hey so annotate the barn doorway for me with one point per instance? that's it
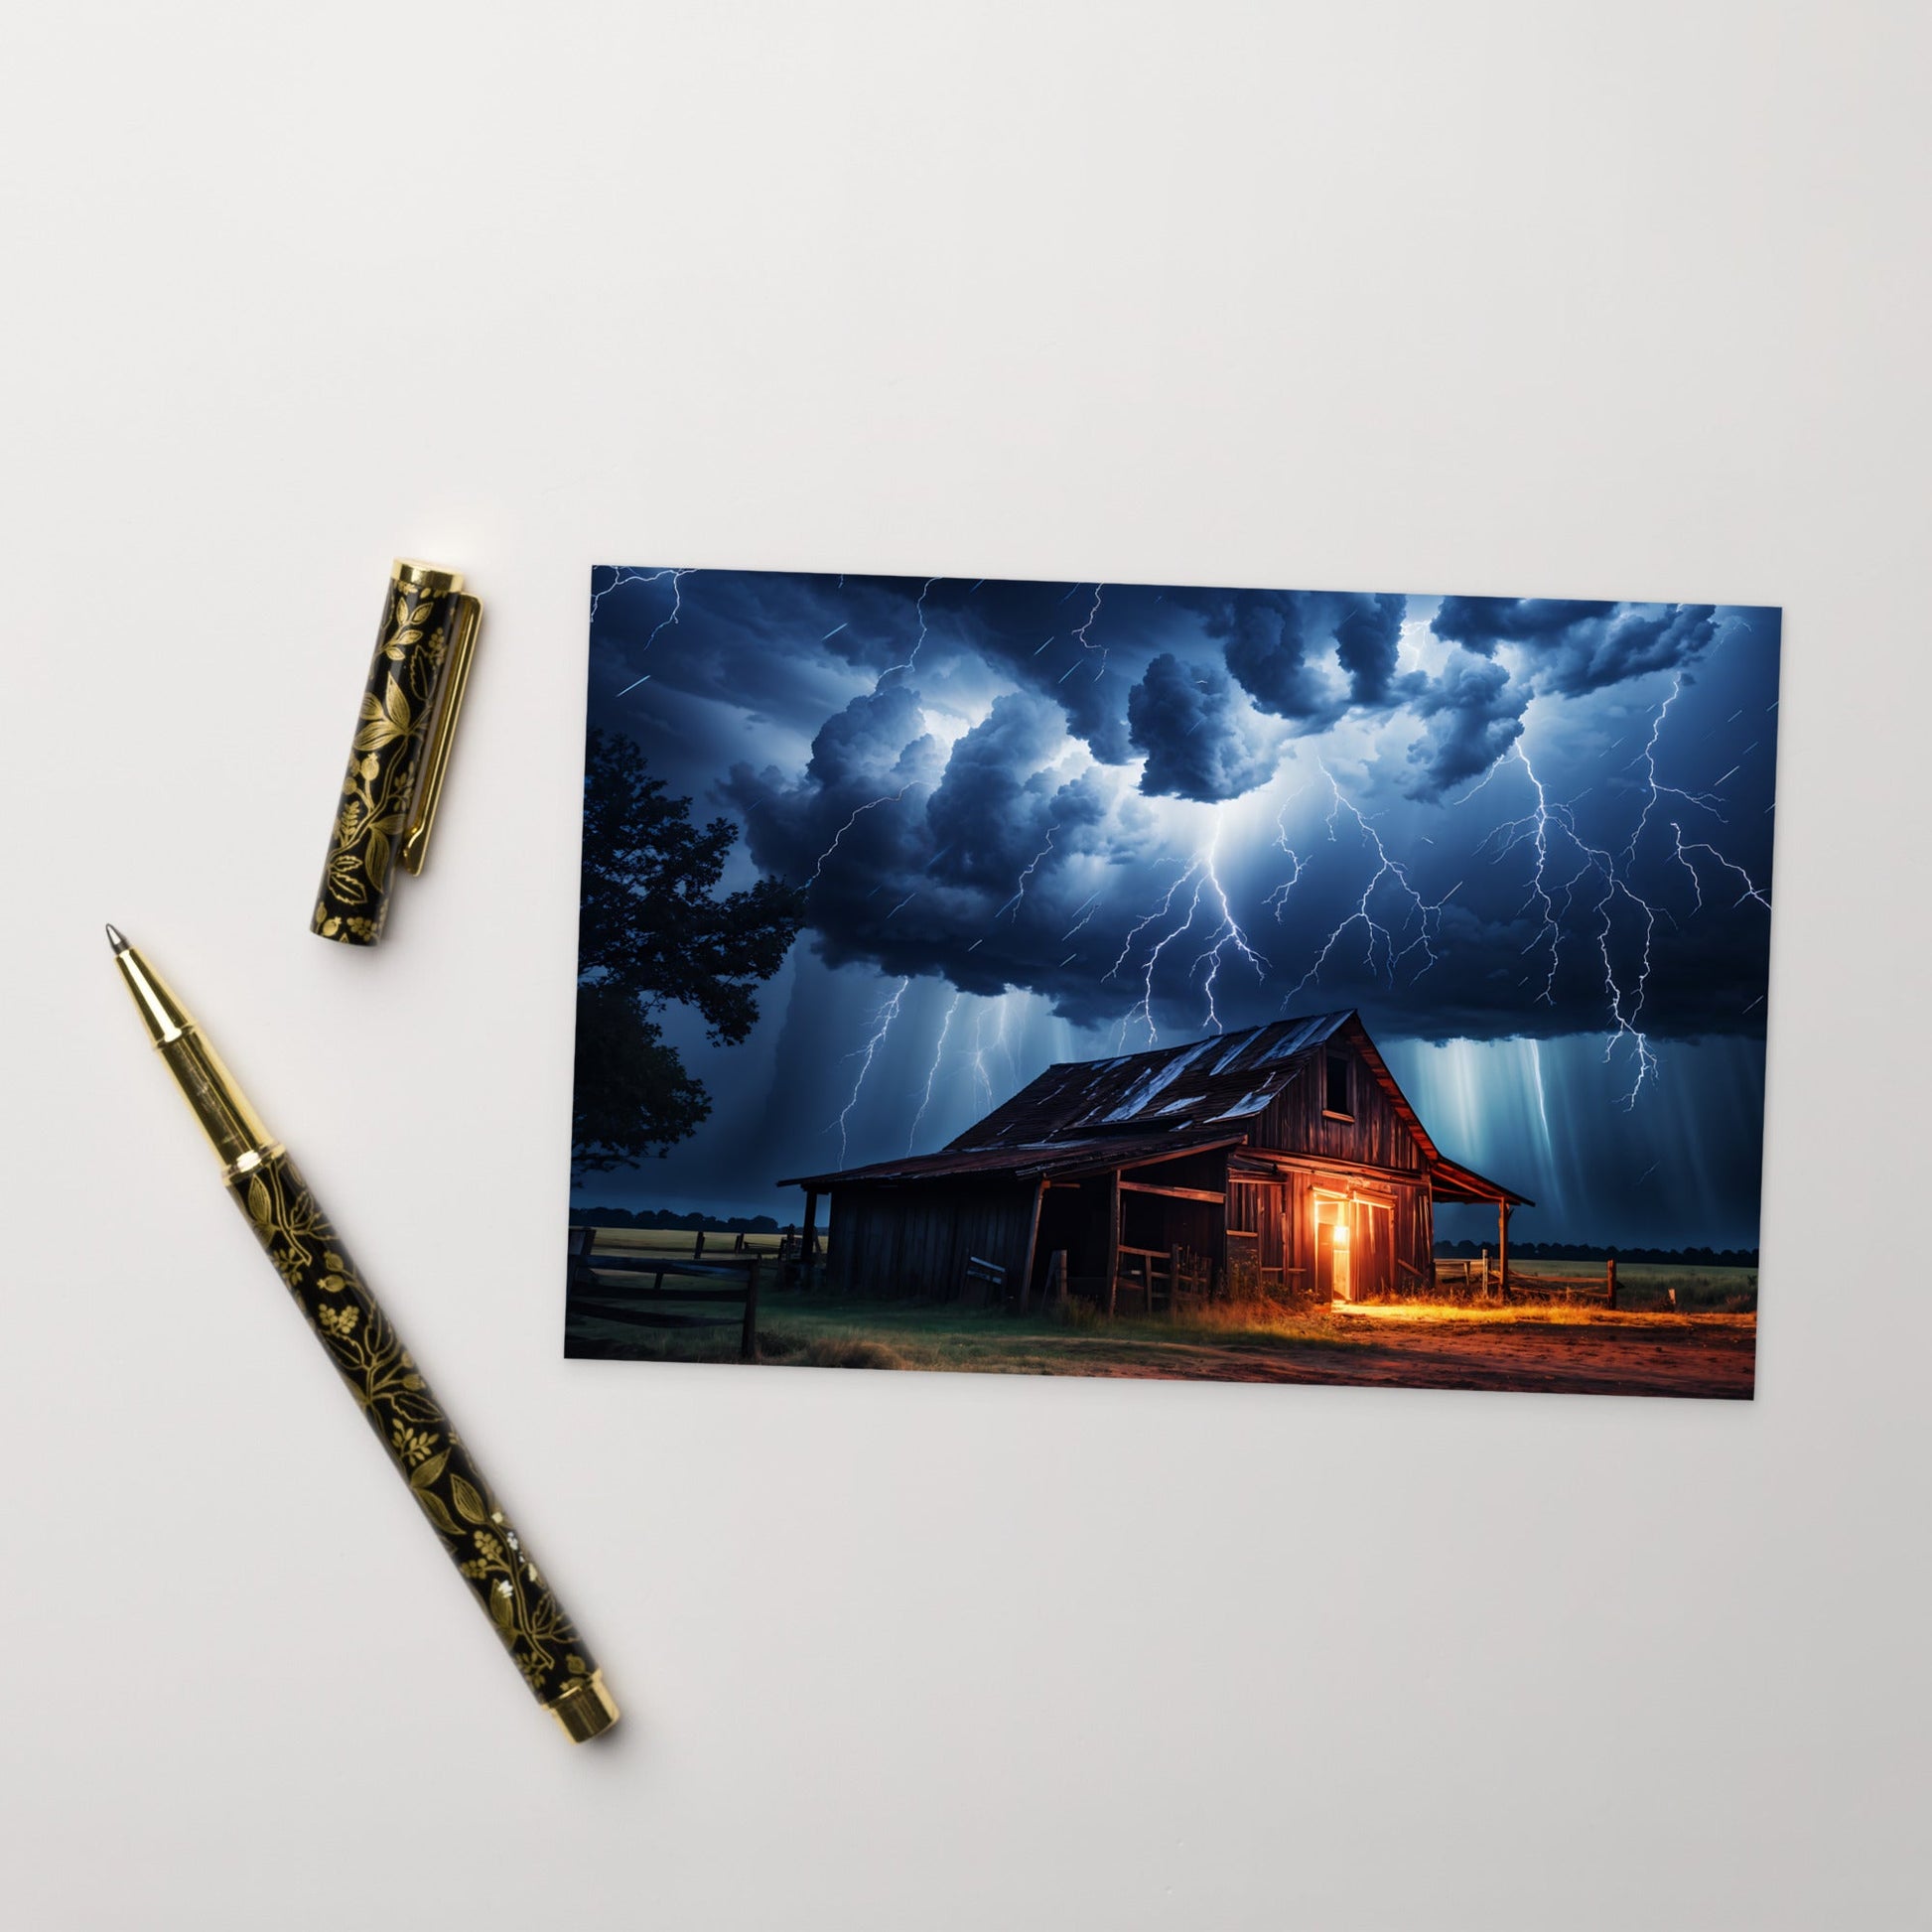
(1073, 1219)
(1334, 1242)
(1354, 1247)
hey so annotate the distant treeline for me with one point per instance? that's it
(663, 1217)
(1572, 1251)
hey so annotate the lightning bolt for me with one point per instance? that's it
(1081, 631)
(871, 804)
(912, 657)
(1227, 933)
(978, 1055)
(1655, 786)
(1134, 931)
(1082, 916)
(1427, 913)
(1607, 874)
(1655, 790)
(1277, 900)
(932, 1074)
(1599, 864)
(618, 579)
(1002, 1039)
(1685, 847)
(882, 1025)
(1013, 904)
(1626, 1024)
(1533, 828)
(1224, 933)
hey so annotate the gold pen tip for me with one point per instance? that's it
(116, 940)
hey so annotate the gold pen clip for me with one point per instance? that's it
(436, 761)
(399, 757)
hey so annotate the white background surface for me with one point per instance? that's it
(1596, 301)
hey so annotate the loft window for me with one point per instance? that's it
(1338, 1090)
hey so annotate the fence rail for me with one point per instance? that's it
(1485, 1276)
(600, 1285)
(1160, 1276)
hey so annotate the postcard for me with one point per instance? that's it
(1144, 980)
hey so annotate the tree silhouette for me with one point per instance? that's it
(652, 933)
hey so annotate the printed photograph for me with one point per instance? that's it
(1138, 980)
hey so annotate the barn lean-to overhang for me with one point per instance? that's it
(1035, 1161)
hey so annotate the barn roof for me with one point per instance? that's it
(1225, 1079)
(1088, 1116)
(1057, 1160)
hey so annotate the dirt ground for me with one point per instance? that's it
(1571, 1350)
(1594, 1354)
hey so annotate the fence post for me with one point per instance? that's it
(583, 1243)
(1113, 1242)
(1485, 1271)
(1610, 1275)
(697, 1247)
(748, 1347)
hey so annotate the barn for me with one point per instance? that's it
(1282, 1159)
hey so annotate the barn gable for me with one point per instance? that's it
(1269, 1084)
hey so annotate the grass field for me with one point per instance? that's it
(1640, 1284)
(1540, 1345)
(678, 1241)
(1647, 1284)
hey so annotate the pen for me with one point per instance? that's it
(380, 1373)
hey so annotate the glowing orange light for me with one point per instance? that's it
(1341, 1234)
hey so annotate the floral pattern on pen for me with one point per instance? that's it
(379, 785)
(410, 1424)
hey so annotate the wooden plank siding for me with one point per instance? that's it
(1391, 1221)
(910, 1243)
(1296, 1121)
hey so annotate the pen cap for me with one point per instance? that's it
(400, 754)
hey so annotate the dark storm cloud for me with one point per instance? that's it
(866, 758)
(1574, 647)
(1474, 706)
(918, 756)
(1306, 657)
(1278, 645)
(987, 815)
(868, 741)
(1200, 740)
(1474, 714)
(1367, 638)
(1268, 651)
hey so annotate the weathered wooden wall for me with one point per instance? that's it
(1276, 1203)
(1295, 1123)
(910, 1243)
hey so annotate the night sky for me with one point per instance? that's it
(1530, 840)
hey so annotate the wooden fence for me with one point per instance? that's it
(1589, 1285)
(1481, 1277)
(658, 1307)
(1161, 1278)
